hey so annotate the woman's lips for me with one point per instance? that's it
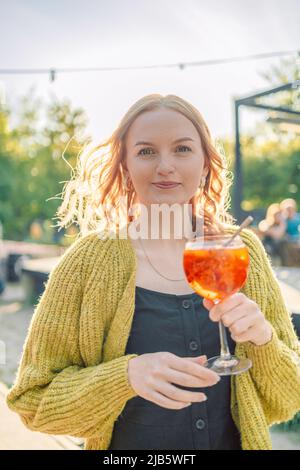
(166, 186)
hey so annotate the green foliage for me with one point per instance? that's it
(271, 155)
(271, 170)
(35, 162)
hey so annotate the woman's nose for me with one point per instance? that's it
(165, 165)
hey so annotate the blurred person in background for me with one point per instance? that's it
(273, 230)
(289, 210)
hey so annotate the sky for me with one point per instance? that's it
(115, 33)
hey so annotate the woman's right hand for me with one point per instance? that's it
(152, 375)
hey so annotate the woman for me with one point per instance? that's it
(273, 229)
(274, 225)
(115, 348)
(292, 217)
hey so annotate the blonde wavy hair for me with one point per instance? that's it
(93, 194)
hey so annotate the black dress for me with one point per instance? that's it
(179, 324)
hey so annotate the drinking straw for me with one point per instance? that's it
(244, 224)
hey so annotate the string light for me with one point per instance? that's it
(52, 72)
(52, 75)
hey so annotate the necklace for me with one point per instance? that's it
(154, 266)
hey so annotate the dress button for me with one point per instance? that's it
(200, 424)
(193, 345)
(186, 303)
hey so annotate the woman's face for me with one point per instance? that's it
(159, 158)
(278, 217)
(291, 211)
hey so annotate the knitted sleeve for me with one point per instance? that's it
(53, 391)
(276, 364)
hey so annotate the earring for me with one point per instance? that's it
(125, 185)
(202, 184)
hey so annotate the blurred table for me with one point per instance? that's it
(35, 273)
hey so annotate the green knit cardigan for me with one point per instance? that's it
(72, 375)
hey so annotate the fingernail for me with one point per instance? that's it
(205, 398)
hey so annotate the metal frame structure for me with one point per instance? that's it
(279, 114)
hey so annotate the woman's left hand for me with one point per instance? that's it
(243, 317)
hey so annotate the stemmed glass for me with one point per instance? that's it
(216, 267)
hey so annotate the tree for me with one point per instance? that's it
(35, 160)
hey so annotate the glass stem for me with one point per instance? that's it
(225, 353)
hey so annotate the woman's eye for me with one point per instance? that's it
(179, 147)
(184, 146)
(139, 153)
